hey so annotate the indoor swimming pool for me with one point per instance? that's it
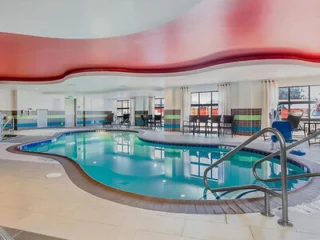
(122, 161)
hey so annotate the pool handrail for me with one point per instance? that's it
(284, 221)
(303, 175)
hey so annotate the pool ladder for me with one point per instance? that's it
(284, 221)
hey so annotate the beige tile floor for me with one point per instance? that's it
(56, 207)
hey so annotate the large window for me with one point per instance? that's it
(159, 106)
(304, 99)
(204, 103)
(123, 107)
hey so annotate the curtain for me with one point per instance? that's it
(133, 111)
(270, 101)
(224, 107)
(185, 105)
(151, 106)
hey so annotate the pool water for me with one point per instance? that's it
(121, 160)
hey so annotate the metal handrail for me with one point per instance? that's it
(303, 175)
(2, 133)
(283, 158)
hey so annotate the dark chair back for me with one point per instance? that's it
(228, 119)
(149, 117)
(126, 117)
(216, 119)
(203, 119)
(110, 118)
(157, 117)
(193, 118)
(294, 119)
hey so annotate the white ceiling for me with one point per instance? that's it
(125, 85)
(88, 18)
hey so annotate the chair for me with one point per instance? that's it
(228, 123)
(144, 121)
(109, 120)
(190, 125)
(158, 120)
(126, 120)
(150, 121)
(203, 119)
(294, 119)
(217, 120)
(285, 128)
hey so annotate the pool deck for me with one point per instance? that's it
(59, 207)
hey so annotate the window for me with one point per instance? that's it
(159, 106)
(123, 107)
(204, 103)
(304, 99)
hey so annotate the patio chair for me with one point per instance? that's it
(150, 121)
(126, 120)
(158, 120)
(216, 119)
(109, 120)
(227, 123)
(294, 119)
(190, 125)
(144, 121)
(205, 120)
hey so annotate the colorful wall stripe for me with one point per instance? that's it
(86, 118)
(56, 119)
(172, 120)
(247, 121)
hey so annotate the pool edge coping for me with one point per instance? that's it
(233, 206)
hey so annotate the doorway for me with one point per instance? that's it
(42, 118)
(70, 112)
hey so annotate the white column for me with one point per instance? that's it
(151, 106)
(185, 105)
(132, 110)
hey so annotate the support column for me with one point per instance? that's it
(172, 109)
(14, 104)
(246, 107)
(133, 111)
(141, 108)
(151, 106)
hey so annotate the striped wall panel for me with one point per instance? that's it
(247, 120)
(172, 120)
(85, 118)
(138, 120)
(28, 119)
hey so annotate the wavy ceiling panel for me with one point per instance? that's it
(213, 32)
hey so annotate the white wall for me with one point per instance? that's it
(36, 100)
(288, 82)
(6, 100)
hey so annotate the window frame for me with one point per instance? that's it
(199, 105)
(161, 105)
(123, 108)
(290, 102)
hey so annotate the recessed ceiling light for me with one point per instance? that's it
(182, 195)
(164, 181)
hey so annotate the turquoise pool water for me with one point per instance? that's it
(122, 161)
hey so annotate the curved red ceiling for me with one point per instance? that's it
(214, 32)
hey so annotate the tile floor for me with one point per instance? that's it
(56, 207)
